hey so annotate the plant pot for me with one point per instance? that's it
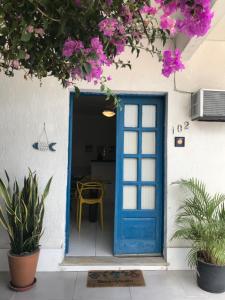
(210, 278)
(22, 269)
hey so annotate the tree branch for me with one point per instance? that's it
(47, 16)
(145, 30)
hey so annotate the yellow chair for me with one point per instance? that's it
(84, 190)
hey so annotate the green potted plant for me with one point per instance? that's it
(201, 220)
(23, 220)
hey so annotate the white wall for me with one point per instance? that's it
(25, 106)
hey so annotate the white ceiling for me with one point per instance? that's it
(218, 32)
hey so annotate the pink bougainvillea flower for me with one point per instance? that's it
(170, 8)
(96, 44)
(109, 2)
(119, 44)
(108, 26)
(40, 31)
(195, 17)
(76, 73)
(147, 9)
(72, 46)
(121, 29)
(197, 23)
(77, 2)
(30, 29)
(27, 56)
(168, 23)
(96, 70)
(15, 64)
(171, 62)
(126, 14)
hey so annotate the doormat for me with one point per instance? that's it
(115, 278)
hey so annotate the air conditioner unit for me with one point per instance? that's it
(208, 105)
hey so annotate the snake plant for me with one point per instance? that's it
(201, 220)
(23, 213)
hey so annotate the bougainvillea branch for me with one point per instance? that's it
(76, 40)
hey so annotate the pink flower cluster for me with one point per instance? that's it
(190, 17)
(72, 46)
(94, 59)
(166, 22)
(37, 31)
(171, 62)
(108, 26)
(149, 10)
(195, 20)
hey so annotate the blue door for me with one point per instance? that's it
(139, 176)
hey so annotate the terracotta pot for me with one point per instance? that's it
(23, 268)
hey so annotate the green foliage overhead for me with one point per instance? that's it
(23, 214)
(75, 40)
(201, 219)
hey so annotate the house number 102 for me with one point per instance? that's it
(180, 127)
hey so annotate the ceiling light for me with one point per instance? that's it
(108, 113)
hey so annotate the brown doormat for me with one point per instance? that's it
(115, 278)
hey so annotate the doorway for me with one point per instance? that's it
(133, 144)
(92, 160)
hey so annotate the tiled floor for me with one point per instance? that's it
(92, 241)
(160, 285)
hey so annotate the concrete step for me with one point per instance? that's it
(76, 263)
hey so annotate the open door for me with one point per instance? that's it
(139, 176)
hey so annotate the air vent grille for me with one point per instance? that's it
(208, 105)
(214, 103)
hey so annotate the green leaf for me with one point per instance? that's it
(4, 223)
(46, 190)
(87, 68)
(4, 194)
(77, 91)
(21, 54)
(25, 37)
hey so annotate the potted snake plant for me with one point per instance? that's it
(201, 220)
(23, 219)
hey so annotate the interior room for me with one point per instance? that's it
(93, 162)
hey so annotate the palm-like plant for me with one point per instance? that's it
(201, 219)
(24, 212)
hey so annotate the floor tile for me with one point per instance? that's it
(51, 286)
(5, 292)
(92, 241)
(83, 243)
(172, 285)
(84, 293)
(104, 238)
(189, 285)
(158, 284)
